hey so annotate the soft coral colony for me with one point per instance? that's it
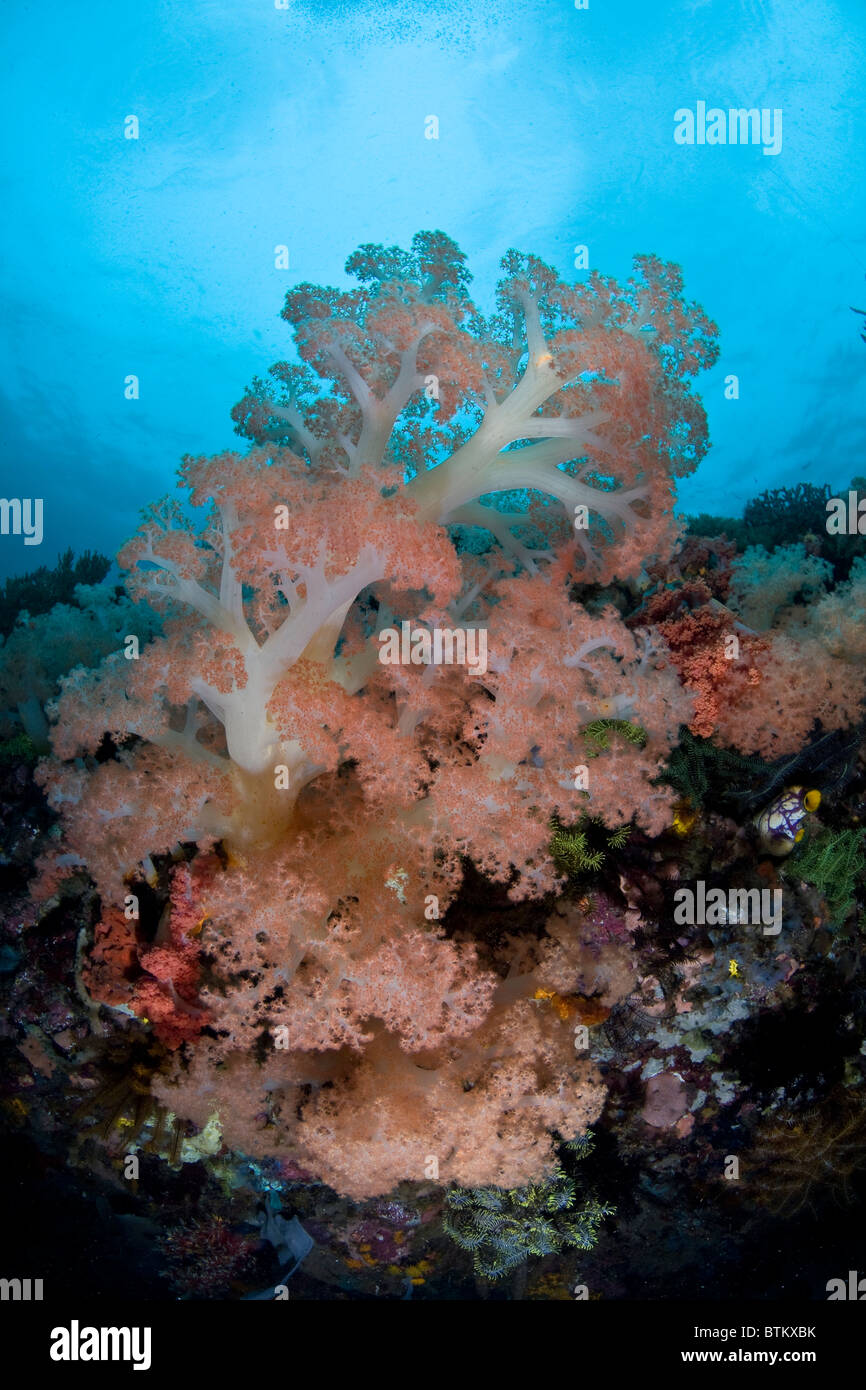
(425, 464)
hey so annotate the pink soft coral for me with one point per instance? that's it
(344, 794)
(767, 692)
(158, 982)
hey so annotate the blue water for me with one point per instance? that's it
(304, 126)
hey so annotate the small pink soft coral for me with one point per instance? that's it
(761, 693)
(159, 982)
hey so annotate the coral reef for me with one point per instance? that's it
(344, 898)
(206, 1259)
(39, 590)
(38, 650)
(834, 861)
(796, 1157)
(764, 585)
(783, 517)
(572, 848)
(503, 1229)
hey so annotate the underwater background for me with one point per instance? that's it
(303, 126)
(456, 1018)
